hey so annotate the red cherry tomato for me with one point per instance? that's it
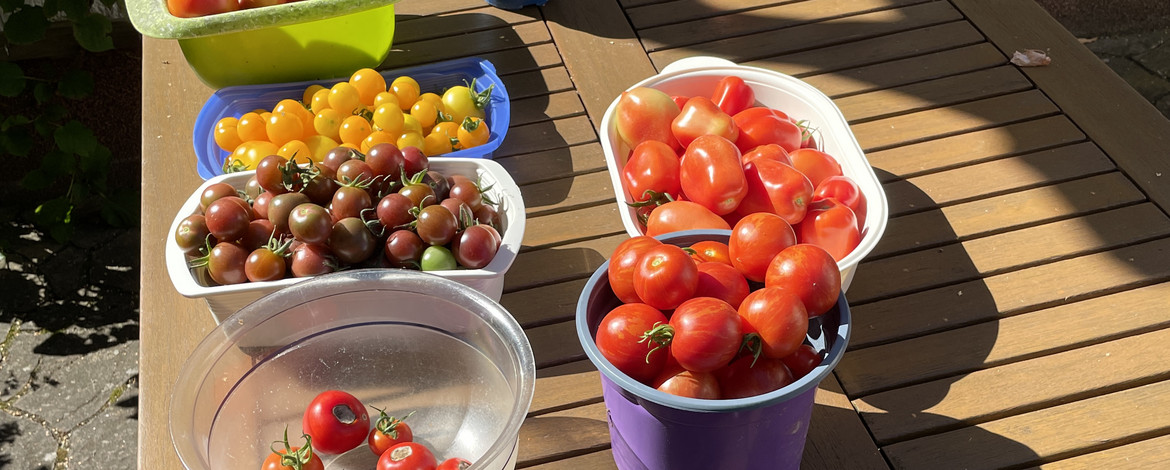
(644, 114)
(336, 421)
(653, 166)
(619, 339)
(711, 174)
(703, 334)
(755, 240)
(682, 215)
(711, 250)
(802, 361)
(777, 188)
(454, 463)
(749, 376)
(699, 117)
(845, 190)
(722, 282)
(779, 318)
(832, 226)
(815, 164)
(732, 95)
(809, 272)
(408, 456)
(762, 126)
(624, 262)
(665, 277)
(769, 151)
(194, 8)
(388, 432)
(293, 458)
(685, 383)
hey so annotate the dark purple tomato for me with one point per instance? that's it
(226, 219)
(270, 173)
(354, 170)
(252, 187)
(320, 189)
(215, 191)
(259, 232)
(351, 241)
(415, 161)
(404, 249)
(420, 194)
(457, 207)
(260, 204)
(311, 259)
(436, 225)
(281, 206)
(349, 201)
(225, 264)
(310, 223)
(465, 190)
(475, 247)
(386, 161)
(191, 234)
(487, 214)
(336, 157)
(394, 210)
(438, 183)
(264, 264)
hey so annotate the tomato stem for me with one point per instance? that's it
(661, 334)
(753, 344)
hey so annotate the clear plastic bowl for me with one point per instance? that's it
(698, 76)
(398, 340)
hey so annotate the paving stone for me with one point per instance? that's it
(1156, 60)
(110, 440)
(1149, 85)
(26, 445)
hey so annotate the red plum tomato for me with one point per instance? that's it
(337, 422)
(619, 339)
(761, 126)
(732, 95)
(832, 226)
(653, 166)
(682, 215)
(815, 164)
(808, 271)
(665, 276)
(777, 188)
(711, 174)
(769, 151)
(643, 114)
(699, 117)
(845, 190)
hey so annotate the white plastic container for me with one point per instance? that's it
(226, 300)
(698, 76)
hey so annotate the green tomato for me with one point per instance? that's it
(437, 258)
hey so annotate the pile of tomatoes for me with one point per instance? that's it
(384, 208)
(707, 162)
(336, 422)
(358, 113)
(718, 320)
(197, 8)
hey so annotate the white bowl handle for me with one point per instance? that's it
(696, 62)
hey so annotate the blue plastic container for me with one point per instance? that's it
(654, 430)
(436, 77)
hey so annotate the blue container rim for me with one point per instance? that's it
(498, 111)
(645, 392)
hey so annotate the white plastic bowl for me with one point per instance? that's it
(397, 340)
(698, 76)
(226, 300)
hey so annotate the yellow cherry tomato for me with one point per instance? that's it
(407, 90)
(448, 128)
(310, 91)
(425, 112)
(436, 143)
(251, 152)
(328, 123)
(473, 132)
(320, 100)
(386, 97)
(282, 128)
(251, 127)
(389, 118)
(410, 124)
(349, 145)
(368, 83)
(354, 129)
(294, 107)
(344, 98)
(411, 139)
(296, 150)
(375, 138)
(460, 101)
(225, 134)
(319, 146)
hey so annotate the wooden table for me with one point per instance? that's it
(1014, 314)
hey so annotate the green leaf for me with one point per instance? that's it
(54, 112)
(92, 31)
(11, 79)
(53, 211)
(75, 84)
(122, 208)
(26, 26)
(75, 138)
(52, 7)
(57, 163)
(97, 164)
(17, 142)
(10, 6)
(62, 232)
(75, 9)
(14, 120)
(42, 92)
(36, 180)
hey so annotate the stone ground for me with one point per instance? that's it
(69, 314)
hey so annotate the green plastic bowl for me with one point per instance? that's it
(303, 40)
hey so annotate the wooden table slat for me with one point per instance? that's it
(1149, 453)
(935, 93)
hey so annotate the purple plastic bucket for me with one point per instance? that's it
(654, 430)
